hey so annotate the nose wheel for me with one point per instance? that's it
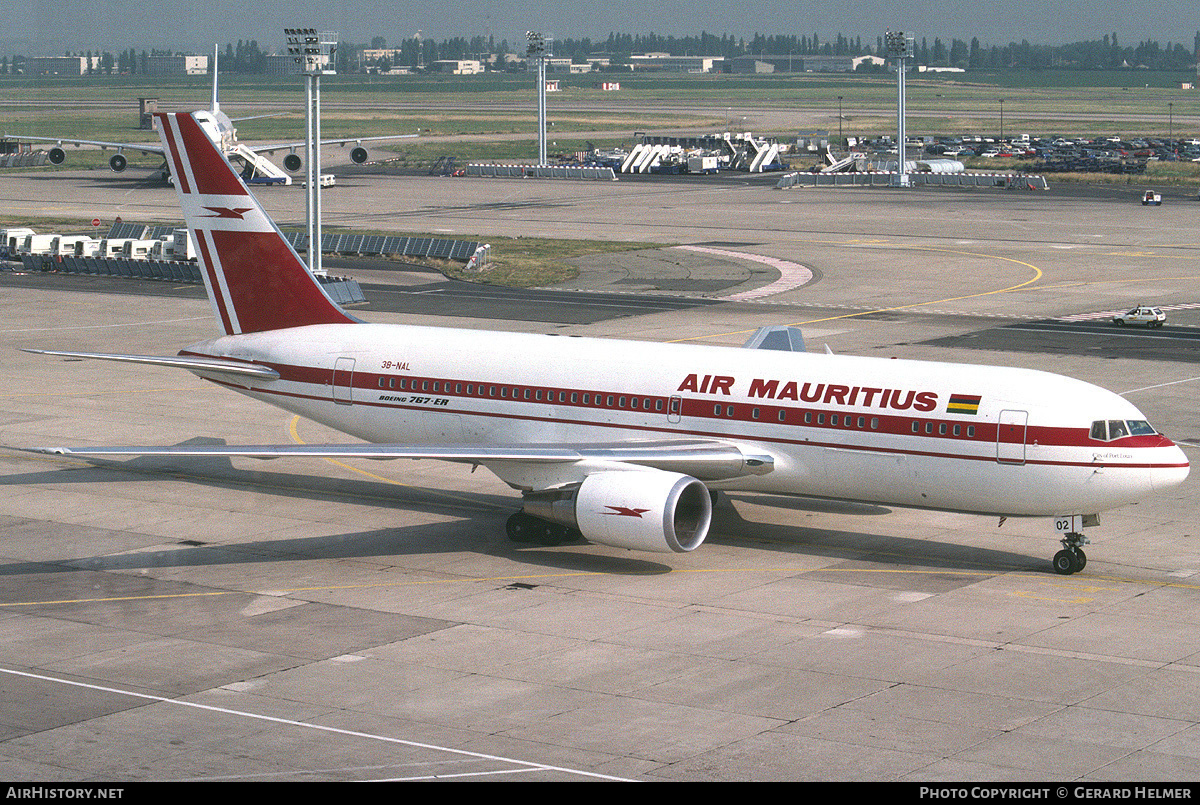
(1071, 559)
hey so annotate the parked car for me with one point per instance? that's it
(1149, 316)
(1150, 197)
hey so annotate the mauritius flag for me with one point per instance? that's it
(963, 404)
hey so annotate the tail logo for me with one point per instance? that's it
(227, 212)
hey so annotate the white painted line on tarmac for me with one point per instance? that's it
(792, 275)
(528, 766)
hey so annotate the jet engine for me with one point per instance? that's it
(358, 155)
(118, 163)
(292, 162)
(56, 155)
(652, 510)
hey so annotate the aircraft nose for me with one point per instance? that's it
(1171, 471)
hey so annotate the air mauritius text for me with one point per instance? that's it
(825, 393)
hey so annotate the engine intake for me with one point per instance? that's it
(358, 155)
(118, 163)
(292, 162)
(644, 510)
(56, 155)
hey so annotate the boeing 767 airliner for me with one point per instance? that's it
(623, 442)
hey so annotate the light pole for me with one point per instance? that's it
(839, 117)
(899, 48)
(1001, 118)
(538, 50)
(1170, 120)
(314, 53)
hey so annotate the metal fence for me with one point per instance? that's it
(368, 245)
(541, 172)
(1005, 181)
(342, 289)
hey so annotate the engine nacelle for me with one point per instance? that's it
(56, 155)
(650, 510)
(118, 163)
(292, 162)
(358, 155)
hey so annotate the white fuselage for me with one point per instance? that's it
(947, 436)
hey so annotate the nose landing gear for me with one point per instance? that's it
(1071, 559)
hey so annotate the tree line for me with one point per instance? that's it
(1105, 53)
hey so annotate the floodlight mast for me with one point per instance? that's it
(314, 53)
(539, 50)
(900, 47)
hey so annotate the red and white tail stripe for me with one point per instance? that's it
(255, 279)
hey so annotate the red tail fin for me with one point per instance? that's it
(255, 279)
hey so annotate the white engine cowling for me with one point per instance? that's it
(651, 510)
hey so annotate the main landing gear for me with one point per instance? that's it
(522, 527)
(1071, 559)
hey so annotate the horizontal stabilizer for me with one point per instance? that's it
(178, 362)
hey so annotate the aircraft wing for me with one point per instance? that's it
(706, 460)
(144, 148)
(272, 148)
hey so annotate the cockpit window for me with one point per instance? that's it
(1106, 431)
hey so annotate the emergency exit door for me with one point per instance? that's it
(1010, 437)
(343, 381)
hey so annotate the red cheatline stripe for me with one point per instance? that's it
(890, 424)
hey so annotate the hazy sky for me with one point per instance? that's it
(45, 27)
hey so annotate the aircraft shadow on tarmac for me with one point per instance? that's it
(481, 527)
